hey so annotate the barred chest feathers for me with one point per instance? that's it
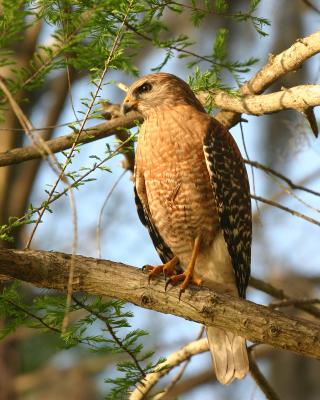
(179, 191)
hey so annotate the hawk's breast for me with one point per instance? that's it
(171, 160)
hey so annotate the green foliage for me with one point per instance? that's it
(82, 34)
(46, 313)
(13, 21)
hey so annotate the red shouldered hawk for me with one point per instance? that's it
(192, 193)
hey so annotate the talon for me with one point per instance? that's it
(173, 280)
(168, 269)
(197, 281)
(147, 267)
(168, 282)
(187, 276)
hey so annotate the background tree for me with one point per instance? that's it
(59, 64)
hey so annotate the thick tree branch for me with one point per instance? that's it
(297, 98)
(277, 66)
(257, 323)
(287, 61)
(61, 143)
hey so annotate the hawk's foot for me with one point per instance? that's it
(187, 276)
(168, 269)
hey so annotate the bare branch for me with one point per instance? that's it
(293, 302)
(312, 6)
(257, 323)
(277, 66)
(281, 295)
(299, 98)
(205, 377)
(179, 374)
(260, 379)
(296, 98)
(289, 182)
(287, 209)
(190, 383)
(61, 143)
(176, 358)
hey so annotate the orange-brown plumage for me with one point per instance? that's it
(188, 200)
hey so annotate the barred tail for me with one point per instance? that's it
(229, 353)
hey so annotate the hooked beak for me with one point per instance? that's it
(129, 104)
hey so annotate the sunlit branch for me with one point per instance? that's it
(173, 360)
(100, 131)
(257, 323)
(278, 65)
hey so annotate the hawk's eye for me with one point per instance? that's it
(146, 87)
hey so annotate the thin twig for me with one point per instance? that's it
(50, 158)
(43, 322)
(170, 46)
(281, 295)
(112, 333)
(296, 197)
(27, 127)
(287, 209)
(34, 316)
(74, 184)
(252, 170)
(53, 162)
(65, 321)
(99, 222)
(293, 302)
(180, 373)
(260, 380)
(303, 182)
(70, 154)
(289, 182)
(312, 6)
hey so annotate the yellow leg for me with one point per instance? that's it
(168, 268)
(187, 275)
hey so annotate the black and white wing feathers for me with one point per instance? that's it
(232, 196)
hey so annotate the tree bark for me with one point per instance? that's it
(257, 323)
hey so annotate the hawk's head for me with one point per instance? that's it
(158, 90)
